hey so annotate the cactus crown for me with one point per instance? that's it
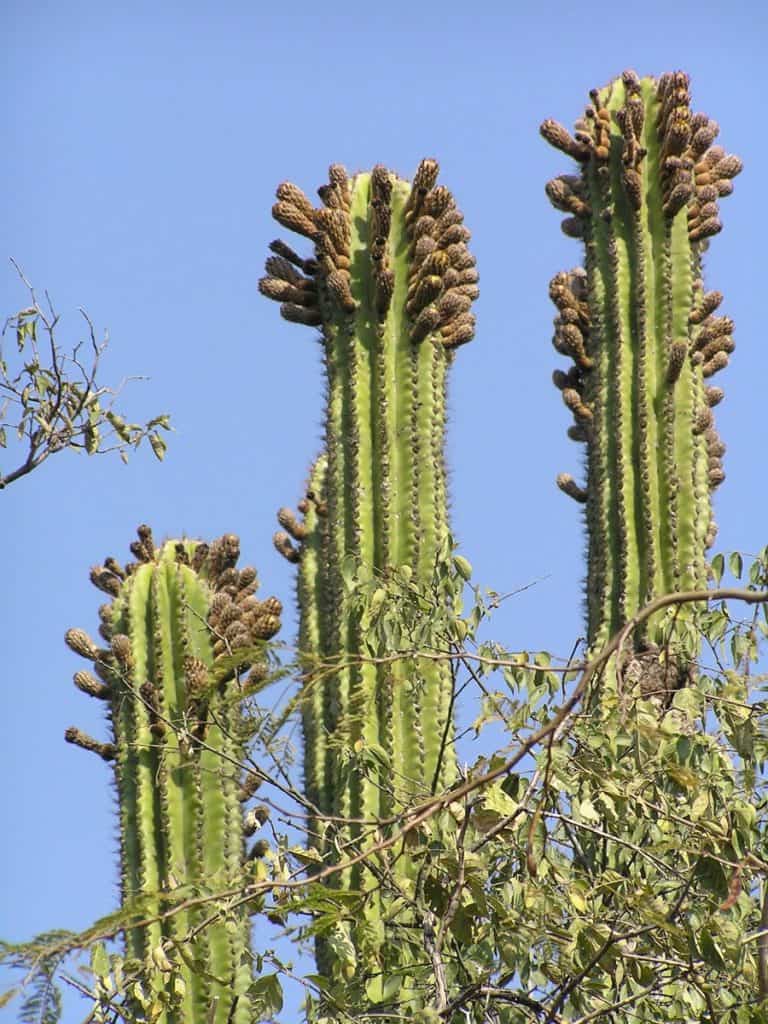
(178, 617)
(643, 338)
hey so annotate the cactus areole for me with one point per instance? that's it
(644, 339)
(177, 618)
(390, 286)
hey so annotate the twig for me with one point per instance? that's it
(762, 945)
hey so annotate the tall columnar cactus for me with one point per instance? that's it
(390, 285)
(644, 339)
(177, 618)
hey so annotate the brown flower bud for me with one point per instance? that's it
(121, 648)
(89, 684)
(301, 314)
(283, 544)
(78, 641)
(677, 353)
(557, 136)
(106, 751)
(568, 486)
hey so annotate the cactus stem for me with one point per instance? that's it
(394, 283)
(175, 739)
(643, 337)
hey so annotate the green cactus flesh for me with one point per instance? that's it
(644, 340)
(176, 619)
(390, 285)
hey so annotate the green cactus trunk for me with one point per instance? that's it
(390, 285)
(644, 341)
(178, 732)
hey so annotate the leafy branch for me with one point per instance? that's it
(607, 861)
(52, 399)
(41, 960)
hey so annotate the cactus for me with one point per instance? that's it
(644, 341)
(390, 284)
(181, 624)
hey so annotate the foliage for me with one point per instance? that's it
(52, 400)
(617, 868)
(41, 1000)
(614, 864)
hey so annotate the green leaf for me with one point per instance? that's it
(717, 566)
(391, 989)
(688, 700)
(372, 755)
(373, 990)
(99, 961)
(92, 439)
(159, 447)
(578, 896)
(587, 811)
(308, 857)
(462, 566)
(8, 995)
(24, 330)
(268, 994)
(119, 425)
(736, 564)
(711, 951)
(495, 807)
(700, 805)
(318, 981)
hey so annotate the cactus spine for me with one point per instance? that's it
(178, 735)
(390, 285)
(644, 340)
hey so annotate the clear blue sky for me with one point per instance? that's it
(143, 143)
